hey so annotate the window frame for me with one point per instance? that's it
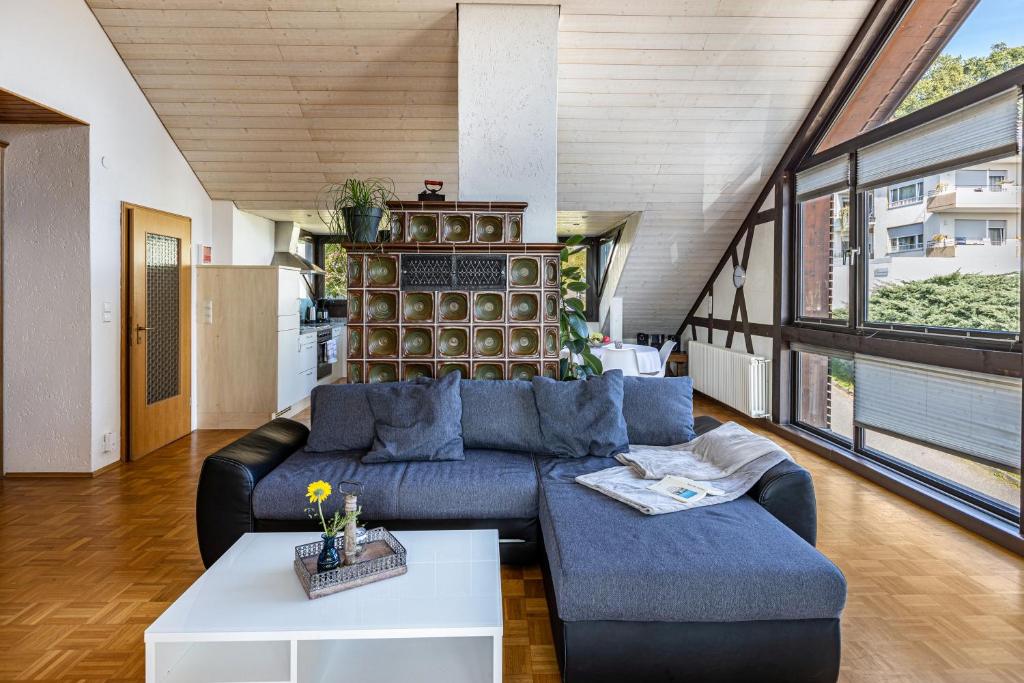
(978, 350)
(798, 292)
(596, 275)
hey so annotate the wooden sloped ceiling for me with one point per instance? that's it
(677, 108)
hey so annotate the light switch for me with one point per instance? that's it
(208, 311)
(108, 312)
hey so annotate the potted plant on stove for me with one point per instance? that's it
(356, 207)
(578, 360)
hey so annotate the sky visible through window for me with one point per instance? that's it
(991, 22)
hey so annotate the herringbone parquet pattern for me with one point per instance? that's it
(86, 565)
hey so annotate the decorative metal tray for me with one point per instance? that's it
(382, 557)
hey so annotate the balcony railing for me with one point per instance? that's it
(1001, 198)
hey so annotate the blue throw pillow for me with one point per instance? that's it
(582, 417)
(658, 410)
(500, 414)
(341, 419)
(419, 420)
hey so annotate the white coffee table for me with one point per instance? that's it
(247, 619)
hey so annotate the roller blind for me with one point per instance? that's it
(989, 128)
(965, 412)
(823, 178)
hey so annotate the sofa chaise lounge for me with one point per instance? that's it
(729, 592)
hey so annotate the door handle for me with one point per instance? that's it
(139, 329)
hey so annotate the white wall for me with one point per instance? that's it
(54, 52)
(758, 292)
(47, 416)
(508, 107)
(241, 238)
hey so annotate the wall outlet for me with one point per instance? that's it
(108, 442)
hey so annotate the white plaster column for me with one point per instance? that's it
(508, 109)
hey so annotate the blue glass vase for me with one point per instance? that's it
(328, 558)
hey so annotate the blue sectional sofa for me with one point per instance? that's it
(730, 592)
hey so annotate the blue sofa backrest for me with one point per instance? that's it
(501, 414)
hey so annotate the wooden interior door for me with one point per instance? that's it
(159, 328)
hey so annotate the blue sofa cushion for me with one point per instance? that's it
(582, 417)
(340, 418)
(500, 414)
(658, 410)
(721, 563)
(485, 485)
(419, 420)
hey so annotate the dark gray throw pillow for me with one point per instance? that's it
(582, 417)
(500, 414)
(341, 419)
(658, 410)
(419, 420)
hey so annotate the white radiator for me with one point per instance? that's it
(737, 379)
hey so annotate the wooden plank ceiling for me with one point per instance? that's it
(677, 108)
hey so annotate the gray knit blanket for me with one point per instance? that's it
(729, 458)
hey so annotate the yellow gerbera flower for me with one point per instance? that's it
(318, 491)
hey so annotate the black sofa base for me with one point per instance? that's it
(789, 651)
(518, 544)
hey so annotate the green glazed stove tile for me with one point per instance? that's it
(488, 371)
(423, 228)
(381, 307)
(489, 342)
(522, 371)
(488, 307)
(489, 229)
(524, 341)
(455, 228)
(454, 307)
(524, 307)
(382, 342)
(418, 342)
(418, 307)
(381, 372)
(382, 271)
(411, 371)
(444, 368)
(524, 272)
(453, 342)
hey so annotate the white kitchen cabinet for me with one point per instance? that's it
(288, 292)
(307, 352)
(288, 386)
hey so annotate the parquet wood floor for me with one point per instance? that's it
(87, 564)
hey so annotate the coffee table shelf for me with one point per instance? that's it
(247, 620)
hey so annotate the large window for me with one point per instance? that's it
(906, 297)
(593, 257)
(336, 266)
(956, 430)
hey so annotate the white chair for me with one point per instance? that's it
(621, 359)
(664, 352)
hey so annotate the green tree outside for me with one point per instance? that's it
(336, 265)
(949, 74)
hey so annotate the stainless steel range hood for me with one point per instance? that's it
(286, 241)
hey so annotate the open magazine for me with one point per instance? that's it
(684, 490)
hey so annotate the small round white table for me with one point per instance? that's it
(647, 357)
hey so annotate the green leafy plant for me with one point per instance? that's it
(364, 196)
(580, 362)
